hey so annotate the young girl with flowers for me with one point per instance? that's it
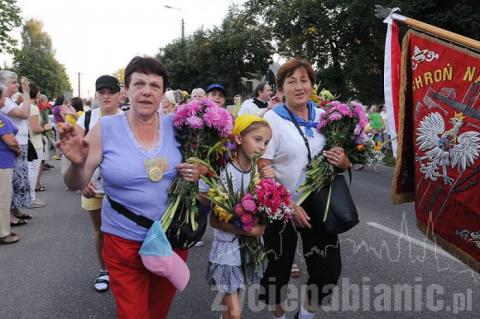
(250, 136)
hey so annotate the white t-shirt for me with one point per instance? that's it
(94, 118)
(288, 152)
(21, 124)
(383, 114)
(36, 138)
(248, 107)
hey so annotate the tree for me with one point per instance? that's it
(345, 42)
(36, 61)
(120, 75)
(239, 48)
(9, 19)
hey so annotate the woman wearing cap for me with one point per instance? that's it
(138, 157)
(288, 155)
(107, 94)
(216, 93)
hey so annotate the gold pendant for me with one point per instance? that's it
(155, 168)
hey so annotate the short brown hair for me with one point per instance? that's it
(146, 65)
(289, 67)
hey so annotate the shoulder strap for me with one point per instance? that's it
(301, 132)
(306, 141)
(137, 219)
(88, 116)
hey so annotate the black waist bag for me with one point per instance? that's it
(342, 214)
(179, 234)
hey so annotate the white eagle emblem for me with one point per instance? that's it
(445, 148)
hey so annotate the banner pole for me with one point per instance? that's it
(382, 12)
(438, 31)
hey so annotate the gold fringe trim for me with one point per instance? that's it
(450, 248)
(399, 198)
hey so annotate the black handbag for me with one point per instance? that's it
(342, 213)
(31, 152)
(179, 234)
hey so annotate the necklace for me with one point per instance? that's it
(137, 137)
(102, 115)
(156, 166)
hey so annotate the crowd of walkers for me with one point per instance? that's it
(105, 149)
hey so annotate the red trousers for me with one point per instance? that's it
(139, 294)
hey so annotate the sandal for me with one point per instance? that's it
(295, 272)
(102, 283)
(40, 188)
(9, 239)
(23, 216)
(20, 222)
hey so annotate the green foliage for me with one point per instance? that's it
(240, 47)
(120, 75)
(37, 62)
(9, 19)
(344, 40)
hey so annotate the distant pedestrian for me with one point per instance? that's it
(9, 149)
(261, 102)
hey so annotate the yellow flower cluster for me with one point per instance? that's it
(314, 97)
(222, 214)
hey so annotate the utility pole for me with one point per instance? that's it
(183, 22)
(78, 79)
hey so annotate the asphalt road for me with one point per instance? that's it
(389, 269)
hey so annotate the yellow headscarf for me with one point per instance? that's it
(244, 121)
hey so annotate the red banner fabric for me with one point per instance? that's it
(439, 142)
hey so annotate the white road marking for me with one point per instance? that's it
(435, 249)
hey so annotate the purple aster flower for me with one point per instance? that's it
(194, 122)
(335, 116)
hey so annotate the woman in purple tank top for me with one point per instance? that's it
(138, 157)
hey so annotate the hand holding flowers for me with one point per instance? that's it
(343, 126)
(201, 128)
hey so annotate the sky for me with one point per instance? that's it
(96, 37)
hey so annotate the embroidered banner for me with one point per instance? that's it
(439, 142)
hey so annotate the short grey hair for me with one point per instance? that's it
(198, 90)
(6, 76)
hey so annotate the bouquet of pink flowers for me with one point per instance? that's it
(201, 128)
(264, 201)
(343, 125)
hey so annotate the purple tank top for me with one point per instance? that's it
(125, 178)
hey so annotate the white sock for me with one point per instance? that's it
(305, 314)
(281, 317)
